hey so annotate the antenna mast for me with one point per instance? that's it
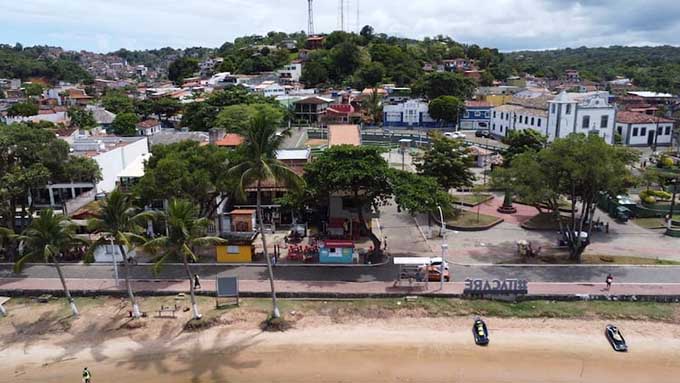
(341, 15)
(310, 17)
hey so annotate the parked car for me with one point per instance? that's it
(434, 273)
(480, 332)
(437, 261)
(482, 133)
(454, 135)
(615, 338)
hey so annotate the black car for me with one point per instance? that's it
(480, 332)
(615, 338)
(482, 133)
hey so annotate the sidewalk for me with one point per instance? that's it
(33, 286)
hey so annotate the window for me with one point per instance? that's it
(586, 122)
(501, 115)
(635, 132)
(668, 130)
(494, 114)
(501, 129)
(232, 250)
(552, 108)
(604, 121)
(643, 131)
(532, 121)
(493, 126)
(520, 119)
(568, 109)
(507, 116)
(476, 114)
(539, 123)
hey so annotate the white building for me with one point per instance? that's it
(640, 129)
(413, 112)
(291, 72)
(557, 116)
(113, 155)
(270, 89)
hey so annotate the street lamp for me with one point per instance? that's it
(445, 247)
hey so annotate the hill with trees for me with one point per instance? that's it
(655, 68)
(40, 61)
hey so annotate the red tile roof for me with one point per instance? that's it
(640, 118)
(148, 124)
(230, 140)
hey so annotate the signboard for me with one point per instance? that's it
(495, 286)
(227, 287)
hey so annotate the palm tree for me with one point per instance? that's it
(120, 222)
(185, 230)
(260, 164)
(48, 237)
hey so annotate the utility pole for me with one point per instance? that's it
(310, 17)
(341, 15)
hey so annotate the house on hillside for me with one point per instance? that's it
(148, 127)
(311, 109)
(476, 116)
(408, 113)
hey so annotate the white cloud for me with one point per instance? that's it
(507, 24)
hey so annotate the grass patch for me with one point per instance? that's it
(624, 260)
(544, 221)
(471, 219)
(472, 199)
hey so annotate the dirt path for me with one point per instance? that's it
(385, 350)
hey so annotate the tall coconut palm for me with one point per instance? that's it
(260, 164)
(121, 223)
(185, 230)
(48, 237)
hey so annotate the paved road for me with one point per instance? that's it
(588, 274)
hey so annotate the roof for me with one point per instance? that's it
(523, 110)
(640, 118)
(477, 104)
(293, 154)
(344, 135)
(242, 212)
(340, 108)
(77, 93)
(648, 94)
(230, 140)
(101, 115)
(314, 100)
(148, 124)
(239, 238)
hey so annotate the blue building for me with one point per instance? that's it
(476, 116)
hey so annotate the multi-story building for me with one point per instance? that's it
(557, 116)
(477, 115)
(408, 113)
(290, 73)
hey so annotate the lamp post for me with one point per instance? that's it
(675, 190)
(445, 247)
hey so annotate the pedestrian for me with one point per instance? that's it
(87, 376)
(385, 243)
(606, 227)
(274, 259)
(609, 280)
(197, 282)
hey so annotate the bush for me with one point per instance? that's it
(660, 194)
(649, 200)
(666, 162)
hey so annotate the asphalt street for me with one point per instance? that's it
(532, 273)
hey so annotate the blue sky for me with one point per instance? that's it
(103, 26)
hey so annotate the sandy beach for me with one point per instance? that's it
(403, 348)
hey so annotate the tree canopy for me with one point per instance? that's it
(448, 161)
(125, 124)
(445, 109)
(182, 68)
(521, 141)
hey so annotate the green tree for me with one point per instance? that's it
(185, 232)
(371, 75)
(345, 59)
(143, 108)
(446, 84)
(33, 90)
(166, 107)
(487, 78)
(81, 118)
(445, 109)
(2, 94)
(119, 222)
(578, 167)
(182, 68)
(418, 194)
(373, 107)
(260, 164)
(447, 160)
(188, 170)
(22, 109)
(359, 172)
(522, 141)
(125, 124)
(118, 102)
(236, 118)
(49, 237)
(314, 73)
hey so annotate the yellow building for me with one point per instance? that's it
(496, 99)
(239, 248)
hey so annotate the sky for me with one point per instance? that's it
(107, 25)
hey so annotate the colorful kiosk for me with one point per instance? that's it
(337, 251)
(239, 248)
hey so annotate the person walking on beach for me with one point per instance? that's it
(609, 280)
(87, 376)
